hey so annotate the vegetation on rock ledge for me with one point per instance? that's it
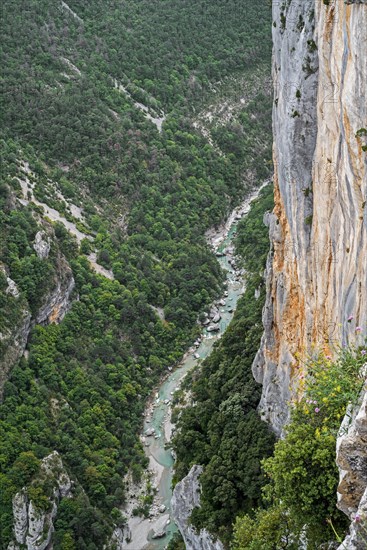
(300, 498)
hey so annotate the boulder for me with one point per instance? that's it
(159, 530)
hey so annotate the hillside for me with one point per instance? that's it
(112, 171)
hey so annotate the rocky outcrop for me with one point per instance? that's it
(186, 497)
(42, 245)
(58, 302)
(352, 462)
(317, 269)
(14, 329)
(356, 540)
(33, 527)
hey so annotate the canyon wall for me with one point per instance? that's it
(351, 458)
(317, 267)
(18, 320)
(33, 526)
(186, 497)
(317, 272)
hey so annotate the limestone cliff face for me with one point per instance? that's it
(57, 302)
(352, 462)
(33, 527)
(13, 332)
(317, 268)
(17, 319)
(186, 497)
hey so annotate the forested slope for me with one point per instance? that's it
(218, 426)
(76, 142)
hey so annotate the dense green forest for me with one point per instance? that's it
(147, 198)
(221, 429)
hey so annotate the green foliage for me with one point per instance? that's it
(312, 46)
(246, 139)
(303, 473)
(176, 543)
(39, 499)
(32, 275)
(252, 240)
(83, 388)
(221, 430)
(24, 468)
(269, 529)
(171, 52)
(362, 133)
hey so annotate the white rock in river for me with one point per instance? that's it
(213, 312)
(159, 529)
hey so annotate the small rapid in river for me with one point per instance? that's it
(155, 532)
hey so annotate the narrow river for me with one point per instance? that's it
(157, 422)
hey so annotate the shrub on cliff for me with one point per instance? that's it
(303, 475)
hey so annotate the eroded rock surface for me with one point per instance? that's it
(186, 497)
(18, 317)
(352, 463)
(14, 330)
(58, 302)
(42, 245)
(317, 269)
(316, 275)
(33, 528)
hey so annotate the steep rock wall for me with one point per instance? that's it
(13, 332)
(33, 528)
(186, 497)
(351, 458)
(317, 272)
(58, 301)
(317, 267)
(16, 319)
